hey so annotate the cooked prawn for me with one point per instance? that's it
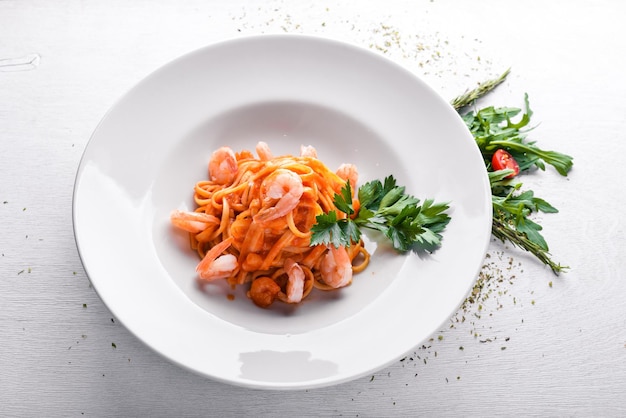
(349, 173)
(295, 282)
(223, 166)
(215, 266)
(263, 291)
(308, 151)
(193, 222)
(263, 151)
(282, 189)
(336, 267)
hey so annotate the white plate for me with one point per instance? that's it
(353, 106)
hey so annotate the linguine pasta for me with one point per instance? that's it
(253, 222)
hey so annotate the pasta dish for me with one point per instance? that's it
(252, 224)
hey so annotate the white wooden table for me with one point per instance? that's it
(535, 344)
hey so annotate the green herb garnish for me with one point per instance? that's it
(494, 129)
(386, 208)
(471, 96)
(398, 216)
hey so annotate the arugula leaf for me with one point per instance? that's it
(386, 208)
(511, 211)
(515, 209)
(493, 129)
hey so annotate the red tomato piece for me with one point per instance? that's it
(502, 160)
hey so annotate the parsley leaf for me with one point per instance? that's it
(386, 208)
(343, 201)
(332, 231)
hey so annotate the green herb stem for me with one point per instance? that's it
(483, 88)
(505, 232)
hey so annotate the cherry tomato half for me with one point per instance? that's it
(502, 160)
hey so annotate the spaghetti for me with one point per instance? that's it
(253, 220)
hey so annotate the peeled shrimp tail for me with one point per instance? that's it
(336, 267)
(263, 151)
(223, 166)
(285, 188)
(295, 282)
(215, 266)
(308, 151)
(349, 173)
(193, 222)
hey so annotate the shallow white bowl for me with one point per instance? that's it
(353, 106)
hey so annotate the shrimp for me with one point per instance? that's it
(295, 282)
(223, 166)
(308, 151)
(349, 173)
(263, 150)
(193, 222)
(263, 291)
(215, 266)
(336, 267)
(284, 187)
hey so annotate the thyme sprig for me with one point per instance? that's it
(483, 88)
